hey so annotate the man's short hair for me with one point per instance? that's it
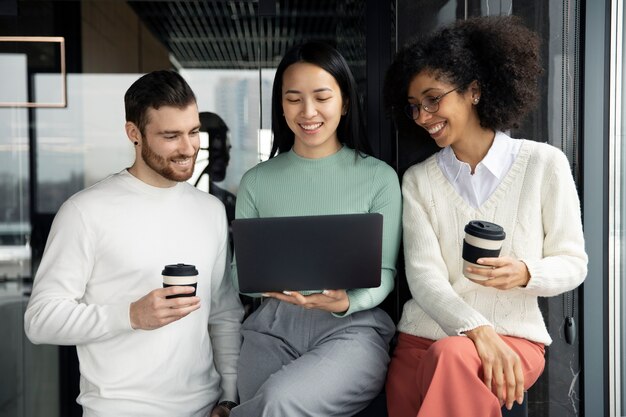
(154, 90)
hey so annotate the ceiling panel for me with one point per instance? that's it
(231, 34)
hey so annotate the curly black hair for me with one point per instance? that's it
(499, 52)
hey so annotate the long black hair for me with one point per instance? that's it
(351, 130)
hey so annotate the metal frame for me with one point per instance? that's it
(615, 207)
(42, 39)
(595, 111)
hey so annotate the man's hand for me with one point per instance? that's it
(502, 368)
(220, 411)
(333, 301)
(153, 310)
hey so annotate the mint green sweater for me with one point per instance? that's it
(289, 185)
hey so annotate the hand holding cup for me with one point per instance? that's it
(502, 273)
(482, 240)
(158, 308)
(482, 262)
(165, 305)
(180, 275)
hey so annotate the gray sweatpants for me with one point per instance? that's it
(307, 363)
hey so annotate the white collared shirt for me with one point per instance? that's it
(476, 188)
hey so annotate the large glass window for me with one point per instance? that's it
(15, 254)
(226, 50)
(232, 100)
(84, 142)
(15, 233)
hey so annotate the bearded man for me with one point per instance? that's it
(143, 352)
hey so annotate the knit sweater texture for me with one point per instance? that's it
(537, 205)
(107, 247)
(342, 183)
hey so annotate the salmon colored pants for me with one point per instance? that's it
(444, 378)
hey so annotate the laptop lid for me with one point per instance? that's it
(308, 252)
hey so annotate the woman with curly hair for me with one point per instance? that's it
(467, 347)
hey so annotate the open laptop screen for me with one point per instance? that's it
(339, 251)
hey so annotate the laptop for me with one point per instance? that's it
(301, 253)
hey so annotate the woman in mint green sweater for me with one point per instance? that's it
(324, 353)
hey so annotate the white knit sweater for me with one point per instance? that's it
(537, 205)
(106, 249)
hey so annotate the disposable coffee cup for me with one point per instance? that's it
(180, 275)
(482, 240)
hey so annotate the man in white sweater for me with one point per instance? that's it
(99, 284)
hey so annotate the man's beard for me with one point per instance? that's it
(163, 166)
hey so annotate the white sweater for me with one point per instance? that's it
(537, 205)
(107, 247)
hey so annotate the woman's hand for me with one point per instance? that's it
(505, 273)
(502, 368)
(333, 301)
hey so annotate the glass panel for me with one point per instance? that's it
(230, 100)
(83, 143)
(15, 255)
(14, 76)
(15, 251)
(225, 50)
(86, 142)
(14, 211)
(34, 55)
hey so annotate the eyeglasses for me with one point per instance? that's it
(430, 104)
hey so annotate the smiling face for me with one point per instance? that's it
(312, 104)
(169, 145)
(456, 118)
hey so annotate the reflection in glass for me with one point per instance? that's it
(15, 255)
(14, 202)
(83, 143)
(217, 146)
(234, 96)
(37, 54)
(13, 82)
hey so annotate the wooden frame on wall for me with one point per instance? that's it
(62, 103)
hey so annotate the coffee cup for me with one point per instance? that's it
(180, 275)
(482, 240)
